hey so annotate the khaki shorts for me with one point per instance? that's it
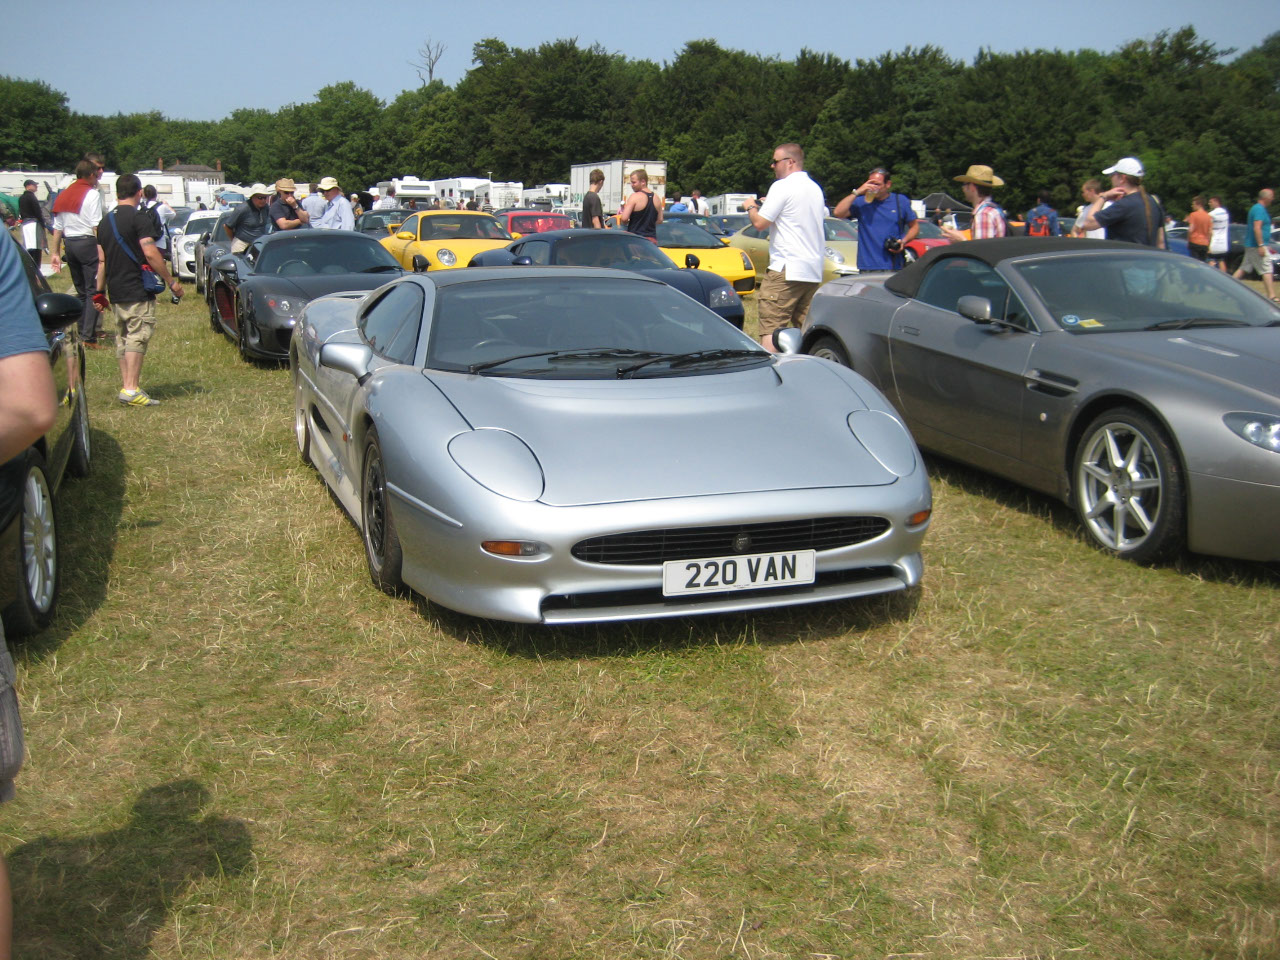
(1256, 260)
(782, 302)
(135, 323)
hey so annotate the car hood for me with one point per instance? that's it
(322, 284)
(604, 441)
(1244, 357)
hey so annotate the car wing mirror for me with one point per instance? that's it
(977, 309)
(420, 263)
(525, 261)
(58, 309)
(787, 340)
(691, 261)
(226, 266)
(352, 358)
(405, 235)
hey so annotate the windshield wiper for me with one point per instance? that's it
(697, 356)
(1187, 322)
(608, 353)
(381, 267)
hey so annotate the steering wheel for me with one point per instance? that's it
(283, 269)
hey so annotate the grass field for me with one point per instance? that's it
(238, 748)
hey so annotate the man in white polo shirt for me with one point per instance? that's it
(792, 212)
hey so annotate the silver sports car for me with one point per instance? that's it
(1141, 387)
(566, 444)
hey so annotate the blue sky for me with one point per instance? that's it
(192, 64)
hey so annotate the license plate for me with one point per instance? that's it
(748, 572)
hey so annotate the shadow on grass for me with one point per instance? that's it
(88, 515)
(176, 391)
(974, 482)
(779, 626)
(106, 894)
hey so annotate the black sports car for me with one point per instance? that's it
(622, 251)
(381, 223)
(257, 295)
(30, 568)
(212, 245)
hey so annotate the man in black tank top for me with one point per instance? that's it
(641, 213)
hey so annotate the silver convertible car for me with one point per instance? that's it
(1141, 387)
(559, 444)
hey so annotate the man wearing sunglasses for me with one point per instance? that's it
(792, 213)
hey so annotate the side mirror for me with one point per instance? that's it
(977, 309)
(352, 358)
(420, 263)
(691, 261)
(525, 261)
(787, 340)
(405, 235)
(205, 237)
(57, 309)
(516, 236)
(226, 266)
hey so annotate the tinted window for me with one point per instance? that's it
(839, 229)
(410, 225)
(957, 277)
(537, 250)
(680, 233)
(320, 252)
(610, 250)
(391, 325)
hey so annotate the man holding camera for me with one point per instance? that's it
(886, 222)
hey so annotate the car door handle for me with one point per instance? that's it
(909, 331)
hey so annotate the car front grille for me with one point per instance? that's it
(745, 285)
(648, 547)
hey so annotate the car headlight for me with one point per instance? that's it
(446, 256)
(723, 296)
(1259, 429)
(746, 261)
(835, 256)
(285, 306)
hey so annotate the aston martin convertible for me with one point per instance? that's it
(559, 445)
(258, 295)
(1141, 387)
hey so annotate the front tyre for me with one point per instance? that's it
(1128, 486)
(381, 543)
(81, 452)
(301, 423)
(38, 570)
(829, 348)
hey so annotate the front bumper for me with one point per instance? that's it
(1233, 518)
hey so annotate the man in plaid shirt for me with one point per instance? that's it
(988, 219)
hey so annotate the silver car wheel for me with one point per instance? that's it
(829, 348)
(1128, 486)
(301, 428)
(39, 541)
(381, 543)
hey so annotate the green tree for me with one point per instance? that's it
(35, 125)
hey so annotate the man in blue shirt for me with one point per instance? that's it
(886, 222)
(1257, 233)
(1042, 219)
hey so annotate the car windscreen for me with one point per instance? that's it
(836, 229)
(1127, 292)
(320, 253)
(570, 327)
(538, 223)
(610, 250)
(929, 231)
(685, 235)
(461, 227)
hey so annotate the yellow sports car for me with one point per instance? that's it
(677, 239)
(444, 238)
(841, 254)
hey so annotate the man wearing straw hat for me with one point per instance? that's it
(976, 184)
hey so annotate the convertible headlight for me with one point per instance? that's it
(499, 461)
(724, 296)
(1259, 429)
(746, 261)
(446, 256)
(286, 306)
(835, 256)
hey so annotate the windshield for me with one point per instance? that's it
(199, 222)
(380, 222)
(929, 231)
(686, 235)
(836, 229)
(581, 328)
(461, 226)
(622, 250)
(539, 223)
(1123, 292)
(316, 252)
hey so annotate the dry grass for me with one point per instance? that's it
(239, 748)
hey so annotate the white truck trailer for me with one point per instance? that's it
(617, 185)
(496, 194)
(727, 203)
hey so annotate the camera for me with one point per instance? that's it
(175, 299)
(892, 245)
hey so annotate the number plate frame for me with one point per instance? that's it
(754, 571)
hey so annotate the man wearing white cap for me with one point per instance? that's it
(1134, 215)
(337, 212)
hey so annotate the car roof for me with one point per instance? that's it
(288, 236)
(445, 278)
(991, 252)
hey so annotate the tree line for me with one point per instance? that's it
(1203, 120)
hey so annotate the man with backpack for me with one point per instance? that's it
(1042, 219)
(161, 213)
(127, 253)
(886, 222)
